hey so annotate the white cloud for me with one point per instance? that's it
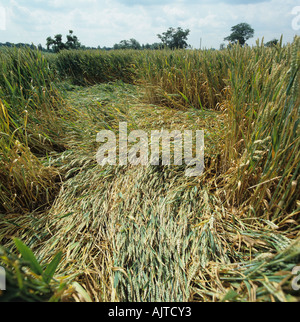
(105, 22)
(174, 11)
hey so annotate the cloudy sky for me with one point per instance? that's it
(106, 22)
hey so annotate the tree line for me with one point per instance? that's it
(173, 38)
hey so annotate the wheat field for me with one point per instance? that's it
(71, 230)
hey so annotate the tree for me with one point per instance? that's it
(72, 41)
(174, 38)
(153, 46)
(134, 44)
(128, 44)
(57, 44)
(49, 43)
(272, 43)
(156, 46)
(240, 33)
(222, 46)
